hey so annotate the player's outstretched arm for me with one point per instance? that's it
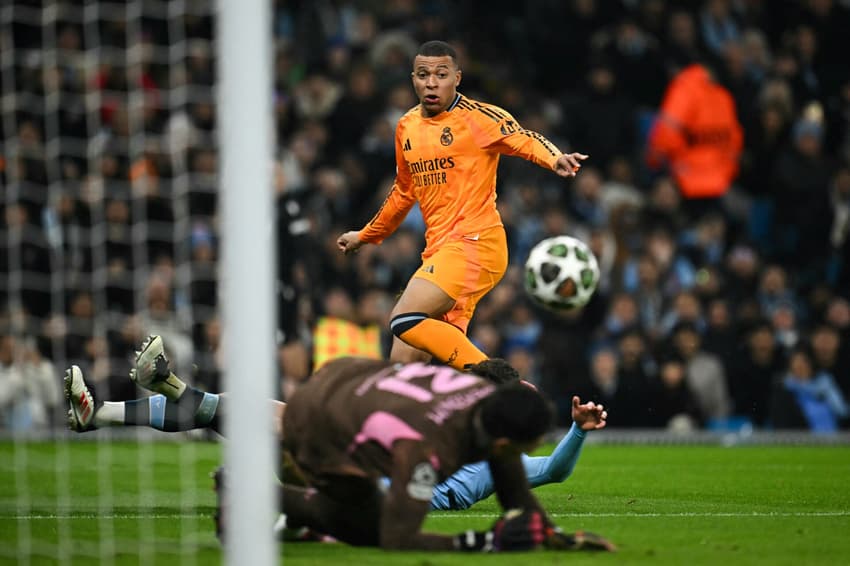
(474, 482)
(559, 465)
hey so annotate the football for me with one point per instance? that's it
(561, 273)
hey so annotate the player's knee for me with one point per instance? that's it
(403, 322)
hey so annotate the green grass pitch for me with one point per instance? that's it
(126, 504)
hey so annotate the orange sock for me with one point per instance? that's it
(443, 341)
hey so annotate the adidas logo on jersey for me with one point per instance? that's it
(406, 146)
(428, 269)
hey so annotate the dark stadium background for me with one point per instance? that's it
(110, 224)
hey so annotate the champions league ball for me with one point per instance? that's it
(561, 273)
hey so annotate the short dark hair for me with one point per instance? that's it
(496, 370)
(437, 49)
(517, 412)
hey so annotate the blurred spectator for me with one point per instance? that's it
(622, 316)
(684, 309)
(208, 356)
(704, 373)
(294, 367)
(522, 329)
(636, 60)
(683, 43)
(742, 267)
(838, 273)
(524, 361)
(599, 118)
(562, 348)
(720, 336)
(355, 110)
(672, 404)
(624, 399)
(801, 190)
(637, 364)
(774, 289)
(831, 355)
(705, 243)
(649, 294)
(786, 325)
(585, 203)
(159, 316)
(806, 398)
(675, 270)
(45, 390)
(30, 391)
(754, 368)
(13, 393)
(717, 25)
(203, 287)
(838, 317)
(663, 209)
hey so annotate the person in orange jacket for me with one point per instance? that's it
(697, 135)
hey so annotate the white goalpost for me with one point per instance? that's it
(136, 198)
(245, 140)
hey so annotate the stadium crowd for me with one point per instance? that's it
(712, 312)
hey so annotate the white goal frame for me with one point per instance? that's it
(245, 141)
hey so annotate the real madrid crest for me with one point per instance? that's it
(447, 138)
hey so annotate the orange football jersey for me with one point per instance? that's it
(448, 164)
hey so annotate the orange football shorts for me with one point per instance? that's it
(466, 269)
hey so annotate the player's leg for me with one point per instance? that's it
(434, 310)
(419, 335)
(348, 510)
(177, 406)
(194, 408)
(402, 352)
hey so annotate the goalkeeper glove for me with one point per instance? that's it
(556, 539)
(475, 541)
(515, 530)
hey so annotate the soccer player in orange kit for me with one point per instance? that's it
(447, 151)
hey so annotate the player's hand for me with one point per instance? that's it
(568, 164)
(518, 529)
(515, 530)
(556, 539)
(588, 416)
(349, 242)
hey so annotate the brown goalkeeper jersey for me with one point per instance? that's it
(358, 421)
(448, 164)
(346, 418)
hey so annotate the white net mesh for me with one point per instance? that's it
(108, 167)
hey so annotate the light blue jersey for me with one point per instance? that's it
(473, 482)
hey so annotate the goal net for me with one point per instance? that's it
(110, 230)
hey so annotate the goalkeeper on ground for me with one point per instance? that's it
(358, 421)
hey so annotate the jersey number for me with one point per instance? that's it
(444, 380)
